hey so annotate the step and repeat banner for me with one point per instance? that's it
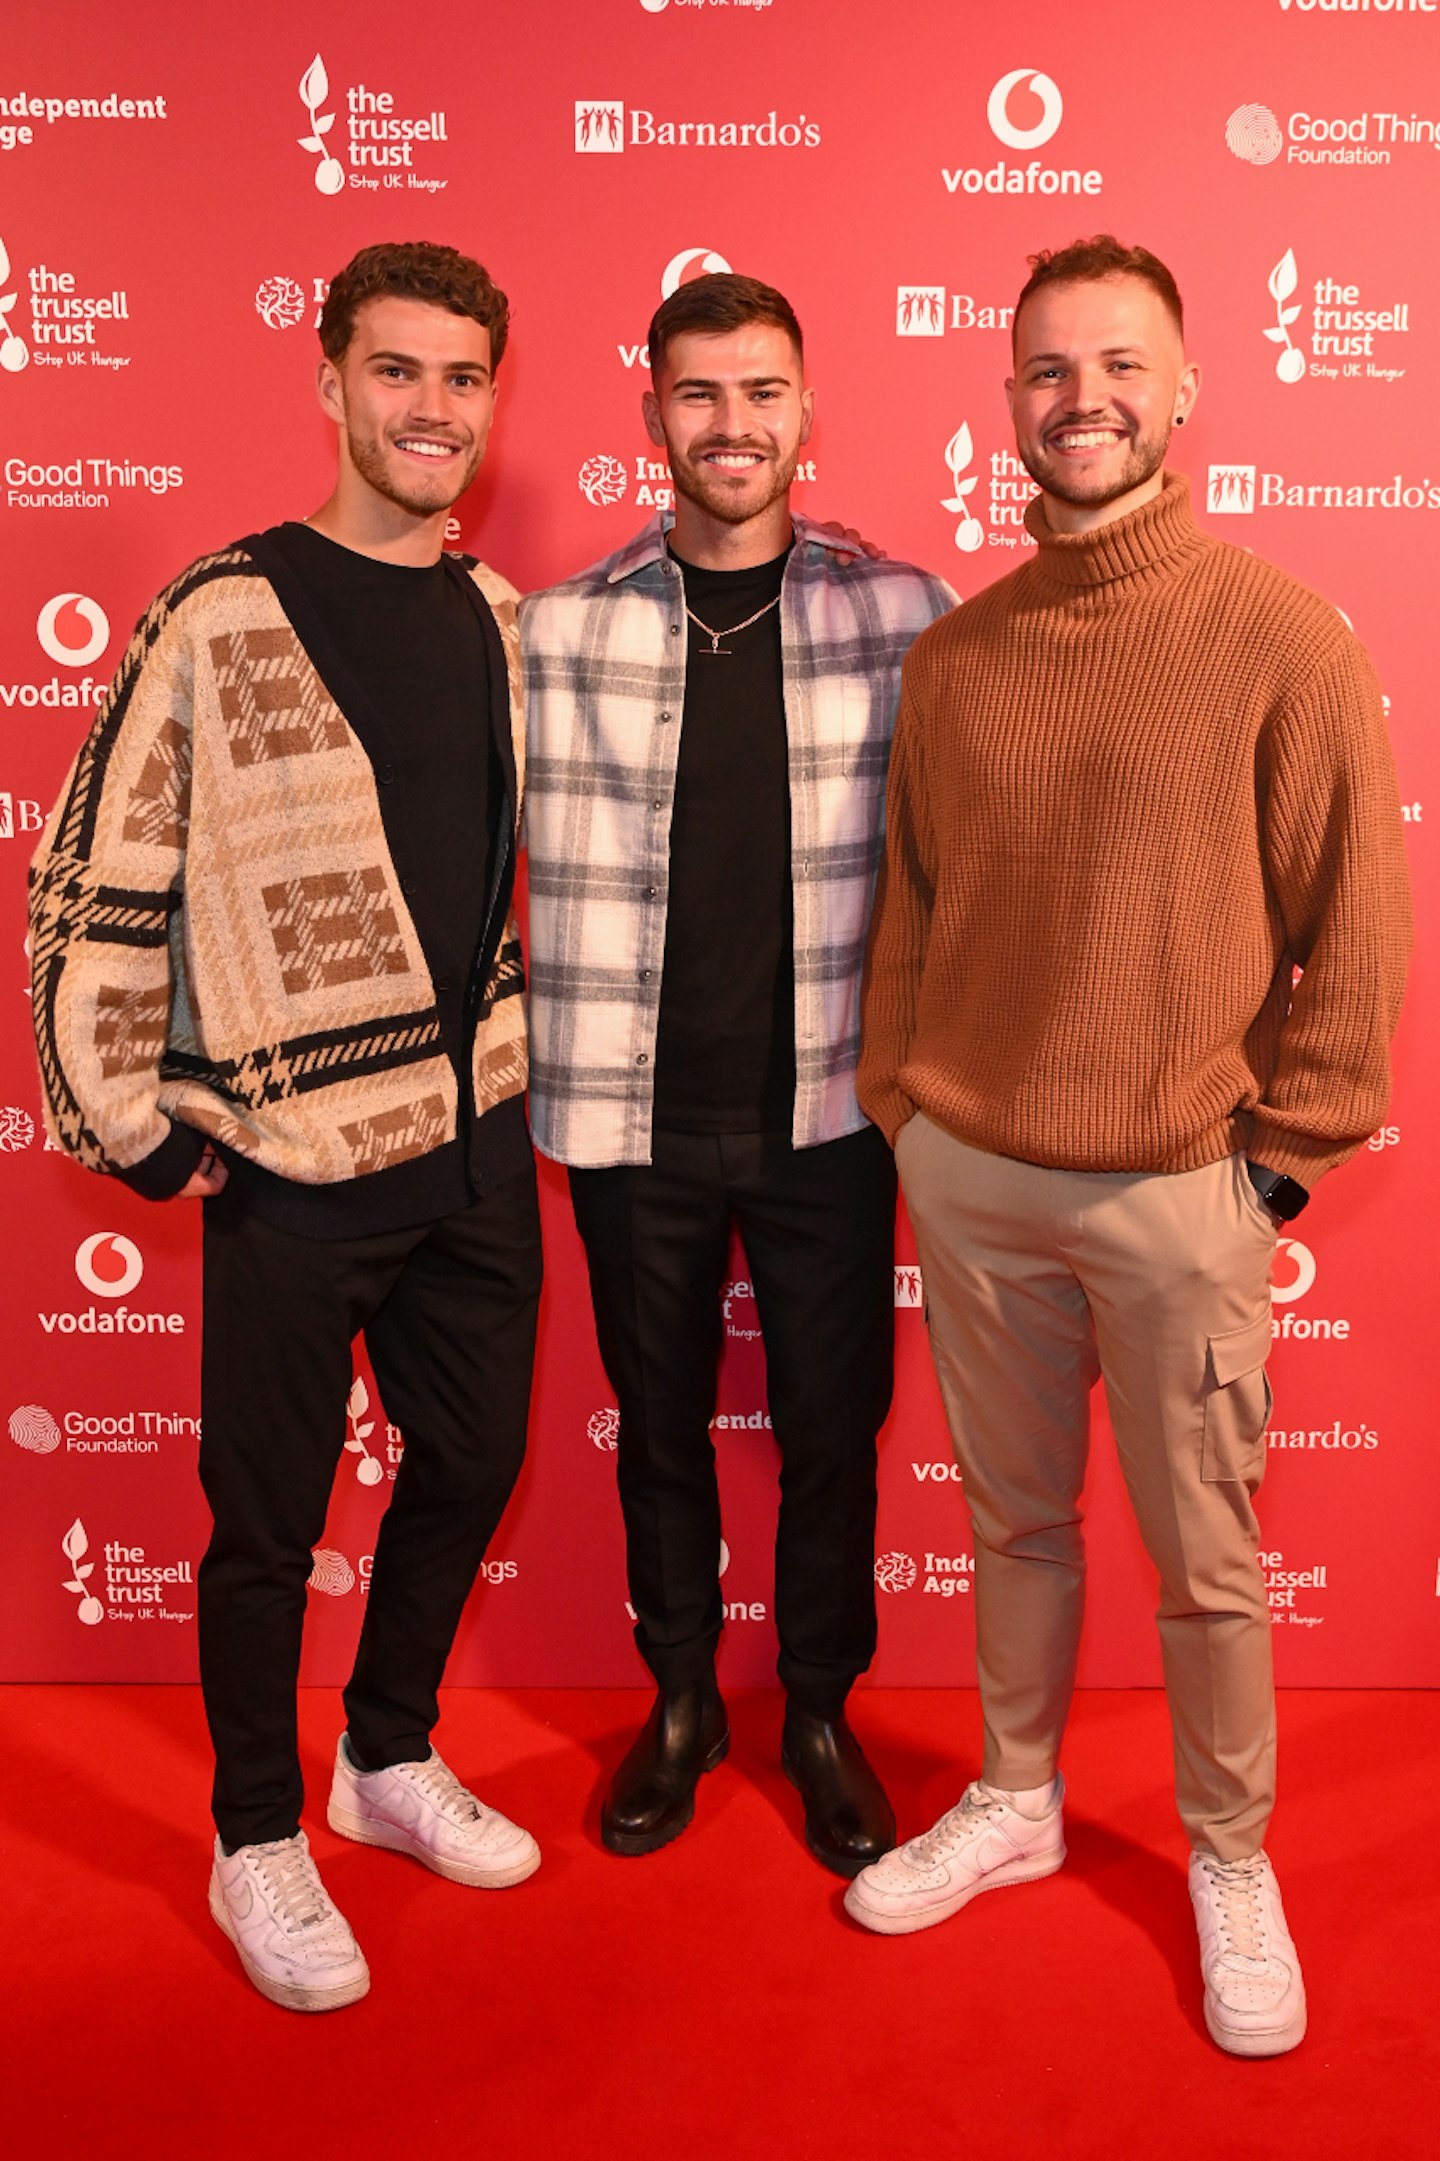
(176, 187)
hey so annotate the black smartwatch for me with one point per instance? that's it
(1283, 1196)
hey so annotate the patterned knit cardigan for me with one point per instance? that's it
(218, 934)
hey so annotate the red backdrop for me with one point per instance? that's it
(177, 186)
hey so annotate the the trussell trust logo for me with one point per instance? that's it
(136, 1588)
(969, 533)
(379, 144)
(604, 126)
(14, 352)
(1008, 493)
(1342, 331)
(1023, 111)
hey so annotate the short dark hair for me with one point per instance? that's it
(717, 303)
(413, 270)
(1085, 262)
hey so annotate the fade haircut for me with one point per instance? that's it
(413, 270)
(716, 304)
(1085, 262)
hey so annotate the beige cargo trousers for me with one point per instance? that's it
(1036, 1283)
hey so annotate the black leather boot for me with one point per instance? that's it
(848, 1821)
(652, 1795)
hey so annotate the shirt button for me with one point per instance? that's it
(667, 716)
(667, 570)
(642, 1059)
(674, 630)
(651, 891)
(407, 885)
(647, 975)
(657, 804)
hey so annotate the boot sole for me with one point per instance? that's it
(366, 1831)
(634, 1843)
(908, 1924)
(285, 1993)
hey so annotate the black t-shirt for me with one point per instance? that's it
(404, 654)
(725, 1050)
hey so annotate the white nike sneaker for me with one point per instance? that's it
(293, 1944)
(980, 1845)
(1254, 1995)
(422, 1809)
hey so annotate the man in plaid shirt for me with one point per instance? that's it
(710, 719)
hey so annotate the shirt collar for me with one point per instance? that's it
(648, 546)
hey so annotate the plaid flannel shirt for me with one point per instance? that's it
(605, 672)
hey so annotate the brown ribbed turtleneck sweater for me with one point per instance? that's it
(1135, 784)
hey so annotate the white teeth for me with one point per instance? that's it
(733, 464)
(429, 450)
(1095, 439)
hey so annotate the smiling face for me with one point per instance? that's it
(1100, 379)
(414, 395)
(733, 413)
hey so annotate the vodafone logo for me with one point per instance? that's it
(691, 263)
(1298, 1263)
(73, 629)
(1052, 109)
(109, 1265)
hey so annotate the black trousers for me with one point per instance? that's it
(818, 1226)
(447, 1310)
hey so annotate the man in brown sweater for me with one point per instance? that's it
(1135, 786)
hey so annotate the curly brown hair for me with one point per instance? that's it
(413, 270)
(1085, 261)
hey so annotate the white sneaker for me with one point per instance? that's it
(293, 1944)
(1254, 1996)
(982, 1844)
(422, 1809)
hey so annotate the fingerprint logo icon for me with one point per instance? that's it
(35, 1429)
(1252, 132)
(331, 1573)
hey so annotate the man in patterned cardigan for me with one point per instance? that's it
(275, 969)
(710, 715)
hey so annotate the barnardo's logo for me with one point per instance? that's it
(135, 1587)
(1240, 489)
(1342, 330)
(279, 302)
(1024, 111)
(926, 311)
(1258, 135)
(17, 1127)
(73, 629)
(109, 1264)
(1008, 492)
(378, 147)
(603, 125)
(895, 1571)
(603, 480)
(32, 1428)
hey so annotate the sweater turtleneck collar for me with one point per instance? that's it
(1161, 532)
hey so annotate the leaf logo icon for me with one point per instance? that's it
(4, 263)
(1282, 281)
(960, 449)
(75, 1545)
(314, 84)
(969, 533)
(1284, 277)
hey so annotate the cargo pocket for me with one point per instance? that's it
(1237, 1404)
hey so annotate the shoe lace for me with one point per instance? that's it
(296, 1895)
(1239, 1913)
(943, 1839)
(455, 1802)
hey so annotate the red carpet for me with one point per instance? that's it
(712, 2002)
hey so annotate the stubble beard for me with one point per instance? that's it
(694, 483)
(1147, 456)
(368, 459)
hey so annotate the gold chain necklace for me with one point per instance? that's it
(717, 652)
